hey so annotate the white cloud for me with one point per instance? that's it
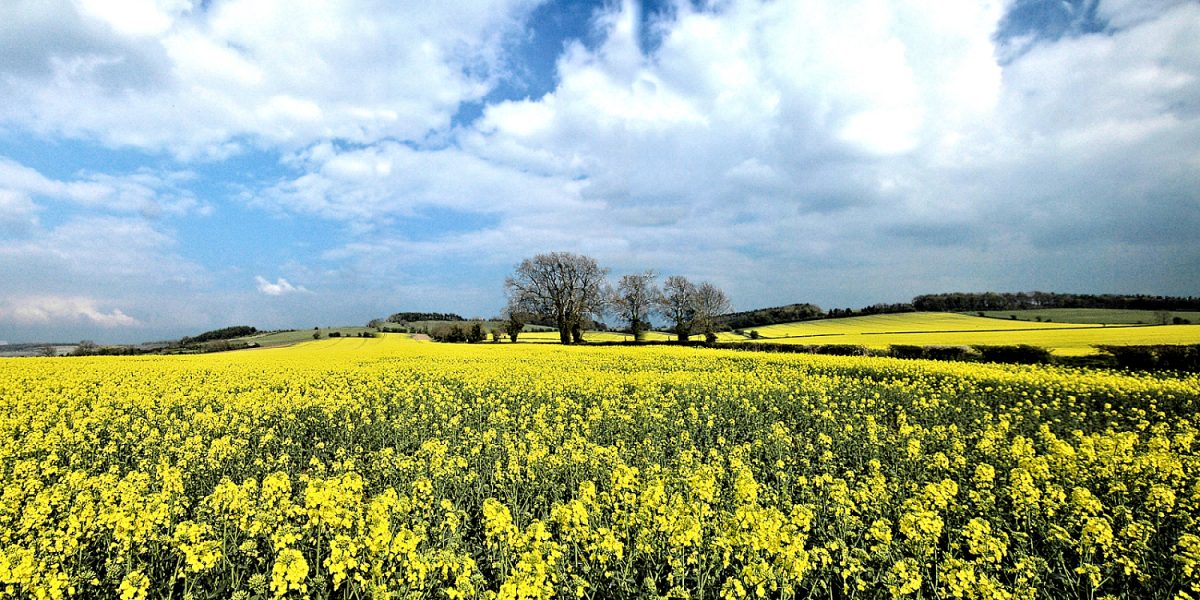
(279, 288)
(88, 256)
(386, 181)
(39, 310)
(857, 151)
(136, 17)
(800, 89)
(762, 139)
(145, 192)
(201, 80)
(1126, 13)
(18, 213)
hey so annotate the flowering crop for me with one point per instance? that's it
(383, 468)
(950, 329)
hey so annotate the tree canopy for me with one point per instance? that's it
(633, 301)
(563, 287)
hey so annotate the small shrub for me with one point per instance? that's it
(476, 334)
(1179, 358)
(907, 351)
(1132, 357)
(841, 350)
(949, 352)
(1022, 354)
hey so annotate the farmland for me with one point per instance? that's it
(595, 336)
(382, 467)
(949, 329)
(1093, 315)
(289, 337)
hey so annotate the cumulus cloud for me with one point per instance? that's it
(37, 310)
(848, 152)
(764, 138)
(200, 79)
(279, 288)
(391, 180)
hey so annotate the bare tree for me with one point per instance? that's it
(565, 287)
(692, 308)
(676, 303)
(634, 300)
(709, 302)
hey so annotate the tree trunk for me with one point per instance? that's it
(577, 333)
(564, 331)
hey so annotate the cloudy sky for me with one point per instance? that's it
(173, 166)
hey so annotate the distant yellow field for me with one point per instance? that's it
(928, 329)
(594, 336)
(904, 323)
(947, 329)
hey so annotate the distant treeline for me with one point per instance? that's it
(226, 333)
(770, 316)
(409, 317)
(962, 302)
(874, 309)
(803, 312)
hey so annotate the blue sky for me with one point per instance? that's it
(174, 166)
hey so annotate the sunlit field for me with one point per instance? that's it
(919, 322)
(597, 336)
(388, 468)
(949, 329)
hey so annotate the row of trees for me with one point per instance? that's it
(569, 290)
(966, 302)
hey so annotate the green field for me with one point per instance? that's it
(949, 329)
(287, 338)
(1090, 315)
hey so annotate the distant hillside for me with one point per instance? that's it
(409, 317)
(804, 312)
(227, 333)
(770, 316)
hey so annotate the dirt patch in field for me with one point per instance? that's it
(421, 337)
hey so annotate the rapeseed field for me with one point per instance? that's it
(385, 468)
(949, 329)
